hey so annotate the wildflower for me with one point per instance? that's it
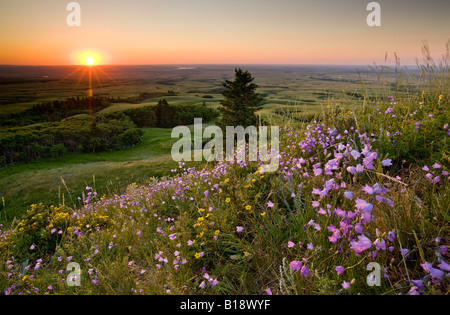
(305, 271)
(268, 291)
(348, 195)
(435, 273)
(263, 214)
(361, 245)
(310, 246)
(291, 244)
(295, 265)
(414, 291)
(346, 285)
(435, 165)
(387, 162)
(227, 200)
(239, 229)
(270, 204)
(339, 269)
(197, 255)
(444, 266)
(248, 207)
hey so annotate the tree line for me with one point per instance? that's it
(56, 110)
(164, 115)
(108, 131)
(53, 139)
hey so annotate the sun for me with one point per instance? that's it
(90, 61)
(89, 58)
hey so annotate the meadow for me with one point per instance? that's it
(363, 181)
(293, 95)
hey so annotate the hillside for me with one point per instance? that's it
(354, 188)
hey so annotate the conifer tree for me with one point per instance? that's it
(241, 101)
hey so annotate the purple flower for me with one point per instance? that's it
(305, 271)
(295, 265)
(444, 266)
(239, 229)
(291, 244)
(387, 162)
(346, 285)
(380, 244)
(414, 291)
(435, 165)
(339, 269)
(419, 284)
(348, 195)
(270, 204)
(268, 291)
(366, 209)
(435, 273)
(355, 154)
(361, 245)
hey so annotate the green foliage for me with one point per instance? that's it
(241, 101)
(92, 134)
(54, 111)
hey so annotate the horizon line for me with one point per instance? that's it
(208, 64)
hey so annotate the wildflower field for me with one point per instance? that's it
(361, 184)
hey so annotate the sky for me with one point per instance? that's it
(141, 32)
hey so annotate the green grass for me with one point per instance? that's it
(121, 236)
(24, 184)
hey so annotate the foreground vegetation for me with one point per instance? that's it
(361, 184)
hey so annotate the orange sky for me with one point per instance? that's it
(221, 32)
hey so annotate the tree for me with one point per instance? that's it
(241, 101)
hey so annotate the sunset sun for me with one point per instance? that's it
(90, 61)
(89, 58)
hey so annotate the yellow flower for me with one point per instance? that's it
(226, 180)
(217, 232)
(263, 214)
(201, 219)
(253, 180)
(227, 200)
(248, 207)
(24, 278)
(201, 210)
(197, 255)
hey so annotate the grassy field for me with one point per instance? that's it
(24, 184)
(302, 92)
(365, 185)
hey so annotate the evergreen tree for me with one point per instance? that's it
(241, 101)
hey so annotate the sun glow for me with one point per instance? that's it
(89, 61)
(89, 58)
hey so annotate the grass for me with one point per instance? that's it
(228, 228)
(41, 181)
